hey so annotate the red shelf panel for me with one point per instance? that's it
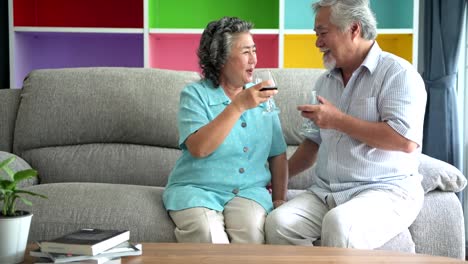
(267, 50)
(81, 13)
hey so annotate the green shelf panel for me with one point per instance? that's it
(393, 13)
(196, 14)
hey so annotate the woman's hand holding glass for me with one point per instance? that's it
(254, 96)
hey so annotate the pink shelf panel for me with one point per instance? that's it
(179, 51)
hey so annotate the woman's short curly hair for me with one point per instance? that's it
(216, 43)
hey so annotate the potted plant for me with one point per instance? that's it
(14, 224)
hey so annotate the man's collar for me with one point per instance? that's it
(370, 62)
(372, 58)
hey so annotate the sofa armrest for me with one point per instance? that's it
(440, 175)
(439, 228)
(9, 101)
(17, 165)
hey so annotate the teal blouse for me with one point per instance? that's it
(238, 167)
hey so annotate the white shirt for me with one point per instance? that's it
(384, 88)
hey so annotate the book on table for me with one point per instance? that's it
(122, 250)
(92, 261)
(85, 241)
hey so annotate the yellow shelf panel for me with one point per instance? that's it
(398, 44)
(300, 50)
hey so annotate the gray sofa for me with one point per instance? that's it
(105, 139)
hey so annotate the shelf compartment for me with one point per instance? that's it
(82, 13)
(300, 52)
(390, 14)
(174, 51)
(197, 14)
(393, 13)
(179, 51)
(298, 14)
(267, 50)
(398, 44)
(42, 50)
(79, 30)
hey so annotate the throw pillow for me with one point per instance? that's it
(438, 174)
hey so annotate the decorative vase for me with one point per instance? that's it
(14, 231)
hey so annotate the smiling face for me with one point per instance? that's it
(335, 44)
(240, 63)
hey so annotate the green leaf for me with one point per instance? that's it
(9, 171)
(7, 185)
(8, 191)
(31, 193)
(4, 166)
(24, 174)
(25, 201)
(7, 162)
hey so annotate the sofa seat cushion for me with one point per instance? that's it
(71, 206)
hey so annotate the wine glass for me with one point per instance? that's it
(265, 75)
(308, 126)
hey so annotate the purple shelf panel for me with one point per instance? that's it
(63, 50)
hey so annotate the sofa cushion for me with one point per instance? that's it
(293, 84)
(104, 163)
(439, 227)
(9, 99)
(107, 125)
(99, 105)
(71, 206)
(440, 175)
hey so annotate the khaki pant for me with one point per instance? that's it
(242, 221)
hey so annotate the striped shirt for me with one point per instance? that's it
(384, 88)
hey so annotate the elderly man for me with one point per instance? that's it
(367, 188)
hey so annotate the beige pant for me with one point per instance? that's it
(367, 221)
(242, 221)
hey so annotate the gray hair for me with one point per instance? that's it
(346, 12)
(216, 43)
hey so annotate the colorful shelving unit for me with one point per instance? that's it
(165, 33)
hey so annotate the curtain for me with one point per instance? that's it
(443, 21)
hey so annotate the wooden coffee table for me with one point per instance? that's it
(172, 253)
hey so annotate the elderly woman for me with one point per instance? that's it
(217, 192)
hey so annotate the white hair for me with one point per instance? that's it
(346, 12)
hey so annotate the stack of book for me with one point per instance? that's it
(90, 246)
